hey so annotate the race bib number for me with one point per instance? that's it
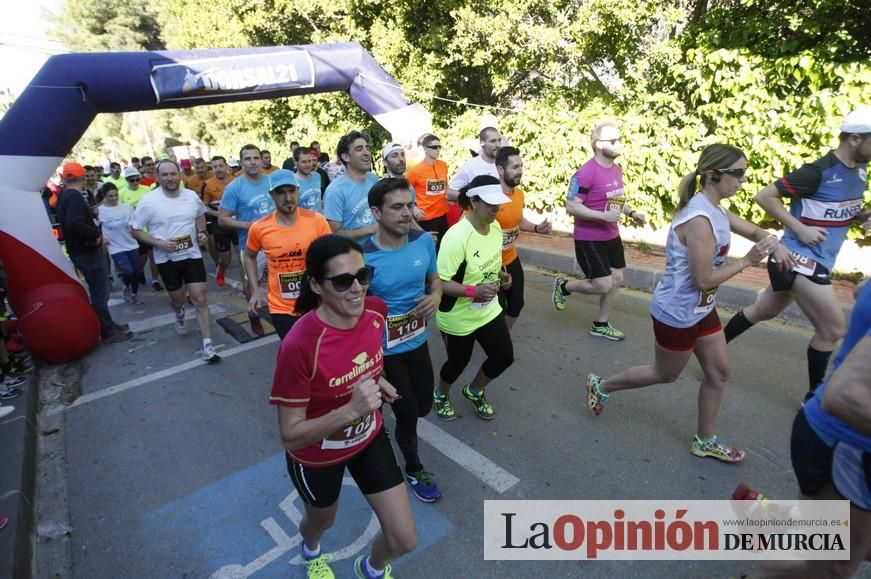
(353, 434)
(402, 328)
(182, 243)
(615, 205)
(435, 187)
(289, 284)
(509, 237)
(707, 299)
(479, 305)
(803, 265)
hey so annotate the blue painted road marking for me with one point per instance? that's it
(246, 525)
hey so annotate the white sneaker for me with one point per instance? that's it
(6, 410)
(180, 322)
(209, 354)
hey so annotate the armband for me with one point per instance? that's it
(469, 291)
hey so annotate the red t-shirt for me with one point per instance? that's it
(319, 366)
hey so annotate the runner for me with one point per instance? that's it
(683, 308)
(310, 181)
(346, 201)
(393, 157)
(511, 220)
(408, 282)
(220, 240)
(826, 197)
(484, 164)
(245, 201)
(430, 181)
(831, 447)
(114, 218)
(283, 236)
(176, 227)
(596, 200)
(469, 266)
(130, 195)
(329, 415)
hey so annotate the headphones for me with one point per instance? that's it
(715, 178)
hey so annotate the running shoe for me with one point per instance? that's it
(595, 397)
(443, 406)
(4, 412)
(423, 486)
(319, 568)
(135, 299)
(22, 357)
(559, 295)
(209, 354)
(180, 322)
(8, 393)
(128, 295)
(16, 368)
(360, 571)
(608, 332)
(155, 285)
(715, 448)
(118, 336)
(479, 401)
(256, 325)
(219, 275)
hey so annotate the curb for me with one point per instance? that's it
(18, 481)
(732, 295)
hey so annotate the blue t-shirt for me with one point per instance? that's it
(827, 426)
(310, 192)
(400, 277)
(247, 201)
(347, 202)
(825, 193)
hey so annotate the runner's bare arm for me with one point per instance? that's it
(354, 234)
(770, 200)
(146, 238)
(255, 303)
(576, 208)
(747, 230)
(428, 304)
(848, 392)
(298, 432)
(543, 227)
(227, 221)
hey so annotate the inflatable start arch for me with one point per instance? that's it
(53, 112)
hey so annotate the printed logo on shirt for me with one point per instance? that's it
(829, 213)
(362, 364)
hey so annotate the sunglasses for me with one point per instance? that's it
(344, 281)
(433, 147)
(737, 173)
(132, 179)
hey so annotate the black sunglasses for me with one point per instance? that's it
(344, 281)
(433, 147)
(737, 173)
(132, 179)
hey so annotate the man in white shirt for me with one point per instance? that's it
(172, 221)
(483, 164)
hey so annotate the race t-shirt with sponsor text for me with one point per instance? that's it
(599, 189)
(317, 369)
(509, 217)
(828, 194)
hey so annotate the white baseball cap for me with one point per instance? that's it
(130, 171)
(490, 194)
(859, 121)
(389, 148)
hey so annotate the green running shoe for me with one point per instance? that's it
(595, 397)
(608, 332)
(318, 568)
(479, 401)
(443, 406)
(559, 296)
(360, 572)
(715, 448)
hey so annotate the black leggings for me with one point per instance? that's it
(412, 375)
(512, 299)
(494, 339)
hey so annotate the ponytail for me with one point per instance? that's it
(686, 190)
(713, 157)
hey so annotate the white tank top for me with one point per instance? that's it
(677, 301)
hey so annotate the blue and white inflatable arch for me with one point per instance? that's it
(53, 112)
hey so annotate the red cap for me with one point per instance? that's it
(72, 171)
(185, 164)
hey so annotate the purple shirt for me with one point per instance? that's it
(597, 187)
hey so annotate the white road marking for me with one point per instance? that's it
(471, 460)
(168, 319)
(149, 378)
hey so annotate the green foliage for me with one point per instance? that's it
(101, 25)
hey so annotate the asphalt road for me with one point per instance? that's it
(182, 474)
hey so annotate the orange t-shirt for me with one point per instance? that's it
(270, 169)
(509, 217)
(430, 184)
(195, 184)
(213, 189)
(285, 249)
